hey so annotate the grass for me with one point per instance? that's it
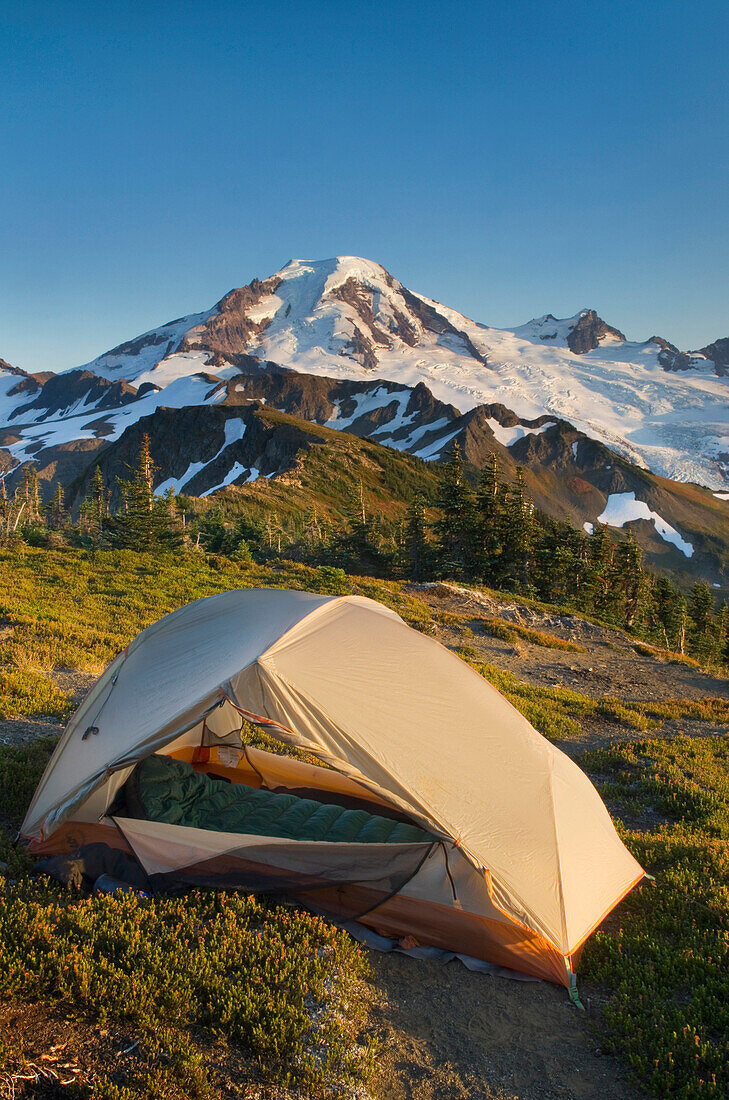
(667, 961)
(24, 692)
(76, 609)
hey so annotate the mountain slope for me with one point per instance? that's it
(348, 317)
(204, 439)
(257, 440)
(273, 460)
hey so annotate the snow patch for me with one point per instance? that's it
(434, 449)
(622, 508)
(509, 436)
(233, 430)
(233, 473)
(589, 528)
(177, 483)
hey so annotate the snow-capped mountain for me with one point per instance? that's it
(342, 344)
(349, 318)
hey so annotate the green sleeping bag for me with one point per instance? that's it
(163, 789)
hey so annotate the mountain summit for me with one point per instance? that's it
(347, 318)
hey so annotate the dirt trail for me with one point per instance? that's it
(449, 1034)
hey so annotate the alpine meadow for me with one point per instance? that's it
(364, 615)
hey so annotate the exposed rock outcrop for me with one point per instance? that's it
(589, 331)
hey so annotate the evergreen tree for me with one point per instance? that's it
(560, 557)
(5, 511)
(56, 510)
(454, 528)
(682, 624)
(488, 520)
(720, 647)
(700, 610)
(99, 501)
(630, 577)
(418, 553)
(599, 574)
(519, 531)
(358, 546)
(30, 494)
(144, 521)
(669, 610)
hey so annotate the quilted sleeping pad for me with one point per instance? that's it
(163, 789)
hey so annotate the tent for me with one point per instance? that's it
(515, 859)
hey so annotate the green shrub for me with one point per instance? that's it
(667, 963)
(283, 985)
(24, 692)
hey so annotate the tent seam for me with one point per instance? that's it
(563, 915)
(330, 604)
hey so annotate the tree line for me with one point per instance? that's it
(487, 533)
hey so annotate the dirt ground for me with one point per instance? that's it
(449, 1034)
(444, 1032)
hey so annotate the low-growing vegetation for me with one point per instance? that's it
(27, 692)
(283, 991)
(666, 960)
(76, 609)
(207, 985)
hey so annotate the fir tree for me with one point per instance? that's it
(30, 494)
(5, 510)
(682, 623)
(418, 553)
(99, 501)
(455, 527)
(358, 546)
(518, 534)
(144, 522)
(670, 612)
(630, 575)
(720, 647)
(56, 510)
(599, 574)
(489, 509)
(700, 610)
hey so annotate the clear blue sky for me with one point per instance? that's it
(508, 158)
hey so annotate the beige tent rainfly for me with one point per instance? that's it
(518, 861)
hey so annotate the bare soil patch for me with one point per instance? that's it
(450, 1034)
